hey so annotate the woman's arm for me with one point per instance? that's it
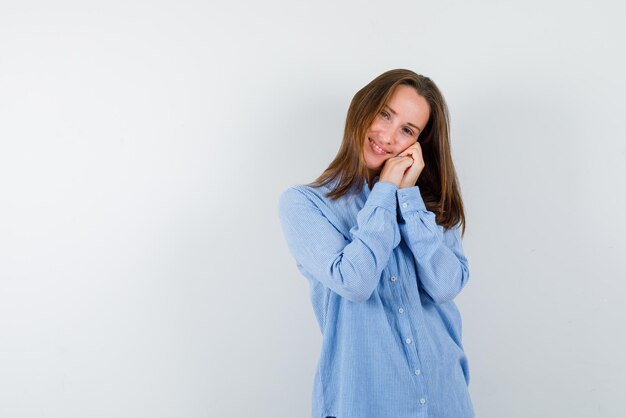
(442, 267)
(350, 268)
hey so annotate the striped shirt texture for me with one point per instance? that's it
(382, 276)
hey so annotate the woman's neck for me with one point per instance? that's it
(372, 178)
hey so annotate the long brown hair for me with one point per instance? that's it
(438, 182)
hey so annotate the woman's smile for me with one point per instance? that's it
(376, 148)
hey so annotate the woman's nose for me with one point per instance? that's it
(388, 137)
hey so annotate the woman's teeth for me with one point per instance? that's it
(379, 149)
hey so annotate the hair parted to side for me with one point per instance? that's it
(438, 182)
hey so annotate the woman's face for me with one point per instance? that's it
(396, 127)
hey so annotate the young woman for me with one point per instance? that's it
(378, 236)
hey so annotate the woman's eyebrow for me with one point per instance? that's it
(408, 123)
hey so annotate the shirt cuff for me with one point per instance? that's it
(383, 194)
(410, 200)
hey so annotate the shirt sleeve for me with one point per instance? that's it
(349, 267)
(442, 267)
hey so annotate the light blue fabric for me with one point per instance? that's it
(382, 276)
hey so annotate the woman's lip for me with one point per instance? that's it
(374, 148)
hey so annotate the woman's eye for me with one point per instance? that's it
(408, 131)
(385, 114)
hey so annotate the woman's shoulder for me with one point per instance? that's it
(311, 195)
(311, 189)
(302, 193)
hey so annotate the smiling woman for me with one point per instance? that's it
(378, 237)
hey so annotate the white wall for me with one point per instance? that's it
(143, 146)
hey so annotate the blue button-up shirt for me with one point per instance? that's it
(382, 276)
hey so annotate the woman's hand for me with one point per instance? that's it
(415, 168)
(394, 168)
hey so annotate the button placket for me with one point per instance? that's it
(411, 298)
(397, 293)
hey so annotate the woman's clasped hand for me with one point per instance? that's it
(404, 169)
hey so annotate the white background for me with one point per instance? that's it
(143, 146)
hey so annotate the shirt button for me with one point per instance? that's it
(393, 278)
(404, 205)
(408, 341)
(418, 372)
(422, 401)
(401, 310)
